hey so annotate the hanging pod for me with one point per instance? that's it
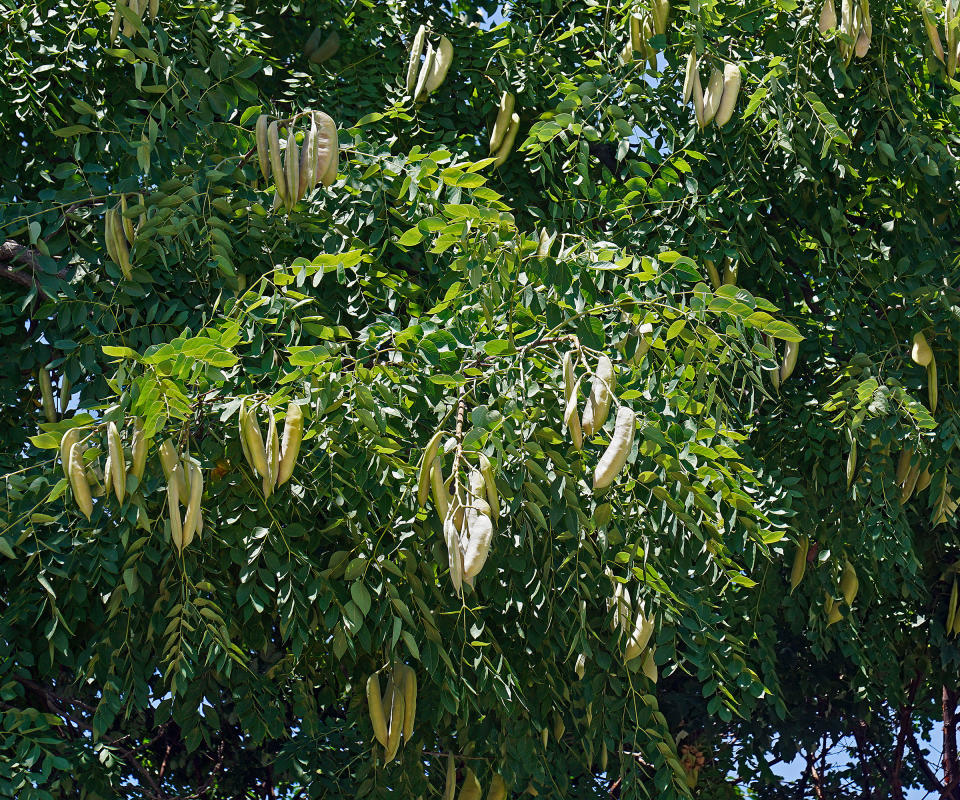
(615, 456)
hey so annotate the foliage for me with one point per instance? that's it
(415, 294)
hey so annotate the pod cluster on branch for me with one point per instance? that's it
(951, 55)
(272, 459)
(393, 711)
(856, 26)
(718, 102)
(136, 8)
(120, 233)
(317, 51)
(595, 413)
(635, 626)
(504, 131)
(424, 78)
(297, 164)
(643, 26)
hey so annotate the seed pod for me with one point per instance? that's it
(698, 99)
(413, 68)
(479, 527)
(620, 603)
(308, 163)
(688, 76)
(174, 498)
(832, 610)
(728, 100)
(851, 462)
(849, 583)
(108, 238)
(450, 788)
(395, 728)
(426, 465)
(661, 15)
(490, 484)
(126, 221)
(636, 36)
(68, 440)
(729, 273)
(508, 138)
(254, 439)
(572, 420)
(504, 116)
(327, 50)
(451, 535)
(713, 273)
(263, 148)
(642, 631)
(191, 517)
(711, 98)
(545, 243)
(471, 787)
(601, 395)
(290, 445)
(120, 244)
(313, 41)
(375, 707)
(441, 498)
(570, 416)
(799, 562)
(498, 789)
(273, 449)
(930, 26)
(932, 384)
(865, 35)
(441, 64)
(46, 393)
(420, 91)
(172, 468)
(581, 667)
(328, 149)
(615, 456)
(921, 352)
(790, 352)
(115, 22)
(291, 164)
(78, 480)
(276, 160)
(828, 16)
(63, 393)
(117, 464)
(603, 757)
(923, 481)
(903, 465)
(409, 701)
(951, 34)
(952, 607)
(649, 666)
(154, 9)
(909, 484)
(128, 27)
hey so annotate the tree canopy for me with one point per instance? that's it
(771, 573)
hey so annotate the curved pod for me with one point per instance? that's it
(615, 456)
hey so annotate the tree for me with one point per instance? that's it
(430, 289)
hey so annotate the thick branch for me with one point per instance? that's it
(859, 735)
(930, 780)
(19, 264)
(904, 722)
(951, 769)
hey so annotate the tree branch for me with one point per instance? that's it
(13, 254)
